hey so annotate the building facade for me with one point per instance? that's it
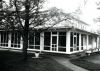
(66, 38)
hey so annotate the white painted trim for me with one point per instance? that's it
(21, 42)
(42, 41)
(68, 42)
(57, 41)
(87, 43)
(97, 42)
(55, 52)
(79, 42)
(51, 42)
(9, 40)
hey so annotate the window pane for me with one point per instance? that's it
(62, 41)
(81, 40)
(46, 48)
(47, 38)
(31, 40)
(71, 41)
(37, 39)
(54, 32)
(1, 37)
(62, 49)
(74, 40)
(71, 49)
(47, 33)
(62, 33)
(31, 47)
(54, 39)
(37, 47)
(77, 40)
(12, 38)
(15, 40)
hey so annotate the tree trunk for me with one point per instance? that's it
(25, 46)
(25, 31)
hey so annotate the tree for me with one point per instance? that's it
(25, 15)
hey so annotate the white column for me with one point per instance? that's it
(21, 42)
(92, 42)
(79, 42)
(57, 41)
(9, 40)
(84, 42)
(97, 42)
(68, 42)
(87, 38)
(41, 41)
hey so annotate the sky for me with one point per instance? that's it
(88, 7)
(66, 5)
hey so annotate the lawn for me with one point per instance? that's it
(12, 61)
(85, 64)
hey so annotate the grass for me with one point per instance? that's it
(85, 64)
(11, 61)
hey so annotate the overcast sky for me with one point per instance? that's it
(67, 5)
(89, 9)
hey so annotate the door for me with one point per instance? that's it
(54, 43)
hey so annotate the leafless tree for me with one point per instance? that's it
(25, 15)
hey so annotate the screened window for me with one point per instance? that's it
(47, 40)
(54, 33)
(4, 39)
(15, 40)
(34, 41)
(82, 42)
(71, 40)
(62, 41)
(74, 42)
(90, 40)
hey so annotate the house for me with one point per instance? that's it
(66, 37)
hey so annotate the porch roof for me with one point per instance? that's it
(65, 28)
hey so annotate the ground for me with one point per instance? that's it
(12, 61)
(91, 63)
(95, 58)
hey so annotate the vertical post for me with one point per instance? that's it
(41, 41)
(68, 42)
(79, 42)
(51, 42)
(9, 41)
(92, 42)
(87, 38)
(97, 43)
(21, 43)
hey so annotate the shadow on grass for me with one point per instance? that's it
(11, 61)
(85, 64)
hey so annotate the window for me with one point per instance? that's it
(74, 42)
(95, 41)
(34, 41)
(4, 39)
(90, 40)
(54, 33)
(15, 40)
(71, 40)
(82, 42)
(47, 40)
(62, 42)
